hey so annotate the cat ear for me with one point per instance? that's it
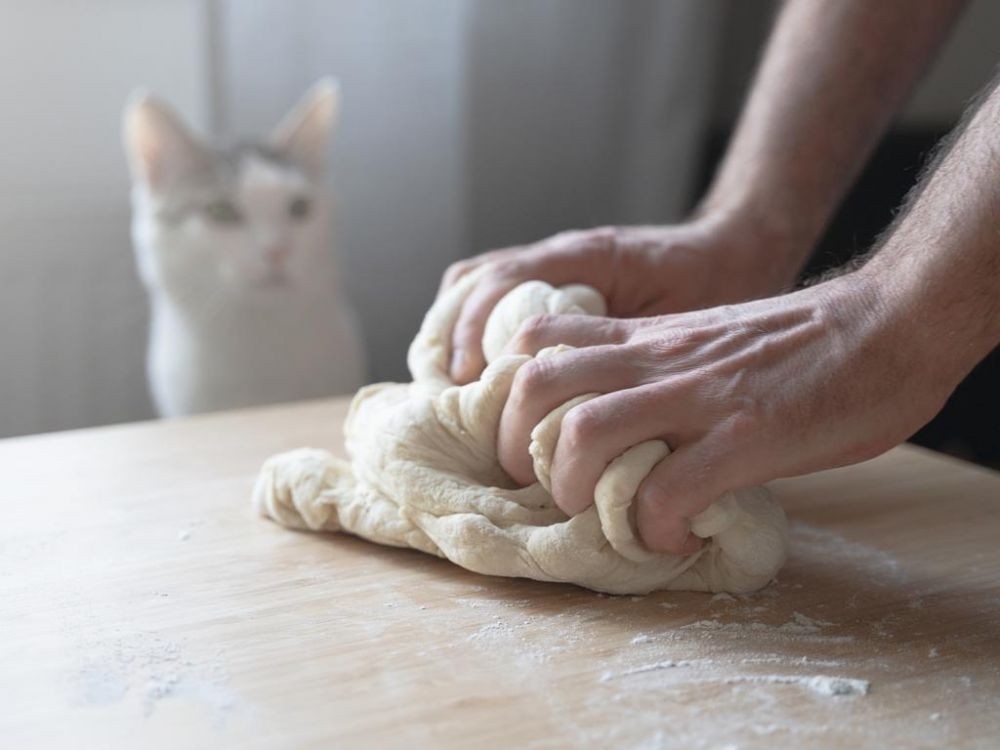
(161, 150)
(304, 134)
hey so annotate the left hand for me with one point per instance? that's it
(742, 394)
(719, 257)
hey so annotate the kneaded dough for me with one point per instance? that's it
(423, 473)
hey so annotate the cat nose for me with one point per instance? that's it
(276, 254)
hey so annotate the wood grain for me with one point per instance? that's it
(143, 605)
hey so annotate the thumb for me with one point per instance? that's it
(678, 488)
(467, 360)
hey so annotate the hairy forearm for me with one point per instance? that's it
(939, 266)
(832, 76)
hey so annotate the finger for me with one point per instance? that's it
(576, 258)
(462, 268)
(456, 271)
(570, 258)
(541, 331)
(668, 533)
(584, 258)
(595, 433)
(678, 488)
(467, 360)
(543, 384)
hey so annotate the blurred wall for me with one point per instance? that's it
(584, 113)
(468, 124)
(72, 314)
(967, 62)
(397, 154)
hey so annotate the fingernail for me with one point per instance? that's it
(572, 508)
(691, 545)
(457, 360)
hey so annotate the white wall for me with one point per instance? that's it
(72, 314)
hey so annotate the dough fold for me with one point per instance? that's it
(424, 474)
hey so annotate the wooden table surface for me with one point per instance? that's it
(143, 605)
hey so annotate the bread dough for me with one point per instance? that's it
(424, 474)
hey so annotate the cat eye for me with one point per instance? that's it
(223, 212)
(299, 208)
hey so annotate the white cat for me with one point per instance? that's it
(234, 249)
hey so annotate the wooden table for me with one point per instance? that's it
(143, 605)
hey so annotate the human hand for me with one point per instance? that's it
(742, 394)
(640, 271)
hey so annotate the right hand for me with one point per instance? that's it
(742, 394)
(641, 271)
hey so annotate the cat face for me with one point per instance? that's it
(254, 223)
(249, 221)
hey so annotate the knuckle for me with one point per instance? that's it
(671, 344)
(457, 269)
(501, 275)
(533, 378)
(653, 494)
(493, 266)
(663, 531)
(597, 244)
(535, 330)
(667, 497)
(616, 331)
(581, 425)
(745, 421)
(606, 236)
(468, 332)
(567, 237)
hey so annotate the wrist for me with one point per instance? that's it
(751, 251)
(786, 231)
(892, 319)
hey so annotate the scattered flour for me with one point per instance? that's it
(822, 684)
(825, 685)
(153, 669)
(491, 630)
(802, 624)
(667, 664)
(880, 567)
(95, 685)
(799, 627)
(503, 634)
(212, 693)
(803, 661)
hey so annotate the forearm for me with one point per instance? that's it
(832, 76)
(940, 265)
